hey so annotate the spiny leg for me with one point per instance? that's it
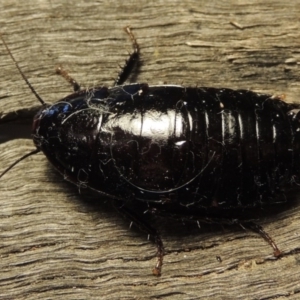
(144, 226)
(60, 71)
(131, 62)
(129, 65)
(258, 229)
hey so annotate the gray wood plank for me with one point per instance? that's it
(54, 243)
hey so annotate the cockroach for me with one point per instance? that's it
(196, 153)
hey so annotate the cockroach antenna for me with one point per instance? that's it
(18, 160)
(36, 95)
(22, 74)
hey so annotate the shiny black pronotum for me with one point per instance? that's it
(193, 153)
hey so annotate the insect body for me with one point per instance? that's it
(201, 148)
(214, 155)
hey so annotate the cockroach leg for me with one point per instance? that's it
(60, 71)
(258, 229)
(131, 62)
(144, 226)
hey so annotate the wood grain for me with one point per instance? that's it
(59, 244)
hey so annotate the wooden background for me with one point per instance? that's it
(57, 244)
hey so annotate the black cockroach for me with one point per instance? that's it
(203, 154)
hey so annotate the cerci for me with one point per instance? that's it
(206, 154)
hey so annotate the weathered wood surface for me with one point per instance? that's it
(54, 244)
